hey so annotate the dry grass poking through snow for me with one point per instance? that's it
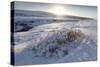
(57, 44)
(74, 35)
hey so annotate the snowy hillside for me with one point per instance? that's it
(52, 43)
(25, 20)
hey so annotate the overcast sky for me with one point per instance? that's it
(78, 10)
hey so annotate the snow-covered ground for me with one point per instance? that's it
(48, 43)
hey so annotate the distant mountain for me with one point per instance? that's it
(27, 13)
(77, 17)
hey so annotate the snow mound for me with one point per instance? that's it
(53, 43)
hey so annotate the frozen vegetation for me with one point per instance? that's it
(51, 42)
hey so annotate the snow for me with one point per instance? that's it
(47, 43)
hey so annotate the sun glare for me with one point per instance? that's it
(58, 10)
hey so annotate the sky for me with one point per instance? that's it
(59, 9)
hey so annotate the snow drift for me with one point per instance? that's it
(53, 43)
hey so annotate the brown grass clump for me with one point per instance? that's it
(74, 35)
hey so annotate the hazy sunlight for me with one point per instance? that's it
(58, 10)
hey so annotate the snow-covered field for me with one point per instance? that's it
(48, 43)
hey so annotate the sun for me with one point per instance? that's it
(58, 10)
